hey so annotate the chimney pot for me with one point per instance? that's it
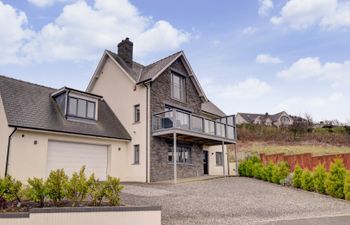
(125, 51)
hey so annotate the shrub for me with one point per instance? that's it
(77, 187)
(3, 192)
(347, 186)
(258, 171)
(268, 171)
(334, 183)
(113, 189)
(14, 189)
(245, 168)
(298, 171)
(36, 190)
(55, 186)
(280, 172)
(307, 182)
(96, 191)
(319, 178)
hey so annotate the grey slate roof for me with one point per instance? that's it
(211, 108)
(31, 106)
(250, 117)
(140, 72)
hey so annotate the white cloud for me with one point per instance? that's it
(339, 19)
(326, 107)
(265, 7)
(301, 14)
(46, 3)
(311, 67)
(267, 59)
(83, 31)
(14, 32)
(250, 88)
(249, 30)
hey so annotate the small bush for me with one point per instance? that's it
(298, 171)
(347, 186)
(258, 171)
(77, 187)
(268, 171)
(307, 182)
(319, 178)
(55, 186)
(280, 172)
(36, 191)
(334, 183)
(242, 168)
(245, 168)
(3, 192)
(14, 189)
(113, 189)
(97, 190)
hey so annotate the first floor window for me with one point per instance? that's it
(183, 154)
(136, 154)
(218, 156)
(137, 113)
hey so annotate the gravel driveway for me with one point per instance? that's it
(232, 201)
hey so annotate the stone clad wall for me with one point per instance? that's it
(160, 95)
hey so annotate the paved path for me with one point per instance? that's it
(242, 201)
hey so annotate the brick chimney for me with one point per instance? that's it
(125, 49)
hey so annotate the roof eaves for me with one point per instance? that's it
(68, 132)
(96, 72)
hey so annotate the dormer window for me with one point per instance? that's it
(77, 105)
(81, 108)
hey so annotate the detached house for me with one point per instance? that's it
(279, 119)
(137, 122)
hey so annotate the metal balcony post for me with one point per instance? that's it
(174, 158)
(223, 158)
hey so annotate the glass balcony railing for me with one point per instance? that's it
(223, 127)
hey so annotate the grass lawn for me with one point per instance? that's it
(269, 148)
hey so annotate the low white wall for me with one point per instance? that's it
(85, 216)
(213, 168)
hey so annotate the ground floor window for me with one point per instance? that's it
(218, 156)
(184, 154)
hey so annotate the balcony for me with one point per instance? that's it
(190, 127)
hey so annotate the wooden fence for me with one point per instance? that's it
(306, 160)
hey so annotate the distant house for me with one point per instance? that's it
(278, 119)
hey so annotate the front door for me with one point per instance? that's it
(205, 162)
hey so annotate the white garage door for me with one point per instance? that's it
(72, 156)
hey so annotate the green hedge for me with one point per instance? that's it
(335, 183)
(59, 187)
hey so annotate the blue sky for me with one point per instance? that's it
(250, 56)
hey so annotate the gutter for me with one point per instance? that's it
(144, 82)
(8, 151)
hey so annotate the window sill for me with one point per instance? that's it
(178, 100)
(135, 164)
(138, 122)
